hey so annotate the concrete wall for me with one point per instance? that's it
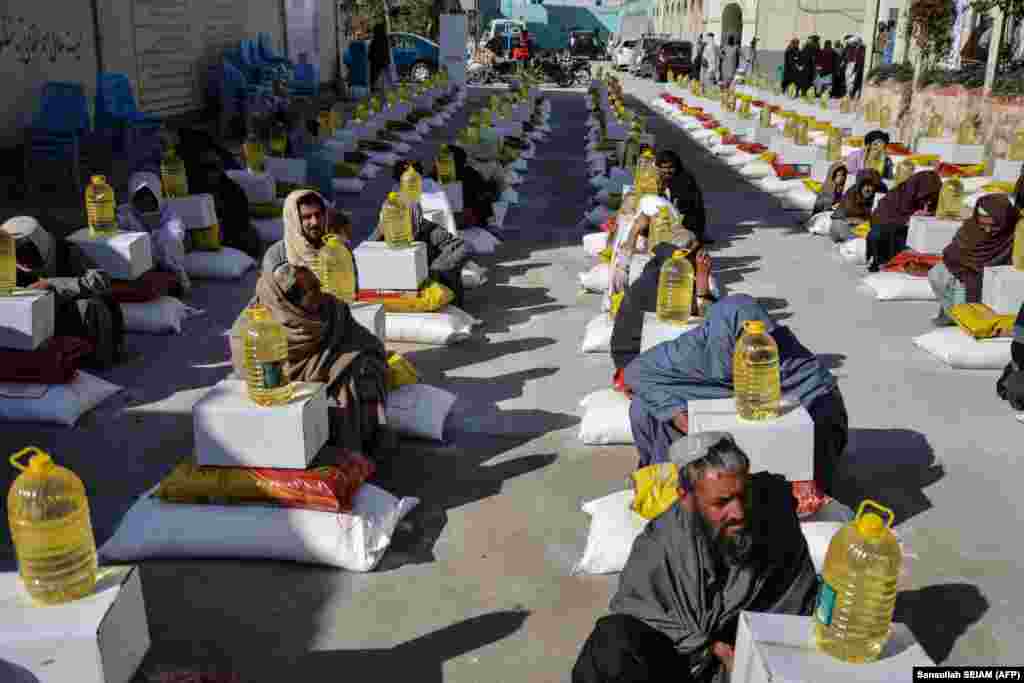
(65, 53)
(163, 47)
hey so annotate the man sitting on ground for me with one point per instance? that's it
(732, 542)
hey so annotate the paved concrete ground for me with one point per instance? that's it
(476, 588)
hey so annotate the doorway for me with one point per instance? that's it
(732, 23)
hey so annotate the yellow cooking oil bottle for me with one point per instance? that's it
(951, 199)
(834, 148)
(858, 590)
(411, 185)
(396, 222)
(335, 270)
(255, 153)
(445, 165)
(884, 116)
(755, 371)
(48, 513)
(904, 170)
(646, 174)
(266, 352)
(100, 207)
(8, 264)
(675, 289)
(661, 228)
(800, 131)
(172, 174)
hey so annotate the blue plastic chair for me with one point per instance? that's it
(266, 51)
(306, 82)
(117, 116)
(57, 130)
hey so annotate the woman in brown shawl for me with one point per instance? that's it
(983, 241)
(855, 206)
(325, 343)
(832, 191)
(890, 221)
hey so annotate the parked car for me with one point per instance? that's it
(415, 57)
(675, 55)
(626, 54)
(584, 44)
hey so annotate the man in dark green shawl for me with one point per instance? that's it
(732, 542)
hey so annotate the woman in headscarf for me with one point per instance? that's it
(890, 221)
(855, 54)
(380, 57)
(875, 142)
(325, 344)
(985, 240)
(832, 190)
(231, 203)
(83, 304)
(698, 366)
(641, 297)
(147, 212)
(839, 69)
(856, 205)
(808, 64)
(791, 65)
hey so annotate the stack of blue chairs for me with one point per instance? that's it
(306, 82)
(119, 120)
(266, 53)
(58, 130)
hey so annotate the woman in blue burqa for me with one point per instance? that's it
(698, 366)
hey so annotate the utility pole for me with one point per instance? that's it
(995, 45)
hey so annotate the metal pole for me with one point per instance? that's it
(97, 37)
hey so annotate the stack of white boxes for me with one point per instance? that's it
(950, 152)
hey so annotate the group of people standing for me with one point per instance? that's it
(719, 65)
(837, 69)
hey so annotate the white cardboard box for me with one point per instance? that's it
(232, 431)
(764, 136)
(381, 267)
(950, 152)
(779, 648)
(930, 235)
(1007, 171)
(26, 319)
(1002, 289)
(800, 154)
(101, 638)
(124, 256)
(656, 331)
(370, 316)
(783, 446)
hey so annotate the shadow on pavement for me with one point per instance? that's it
(891, 466)
(939, 615)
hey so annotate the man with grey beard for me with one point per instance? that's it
(732, 542)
